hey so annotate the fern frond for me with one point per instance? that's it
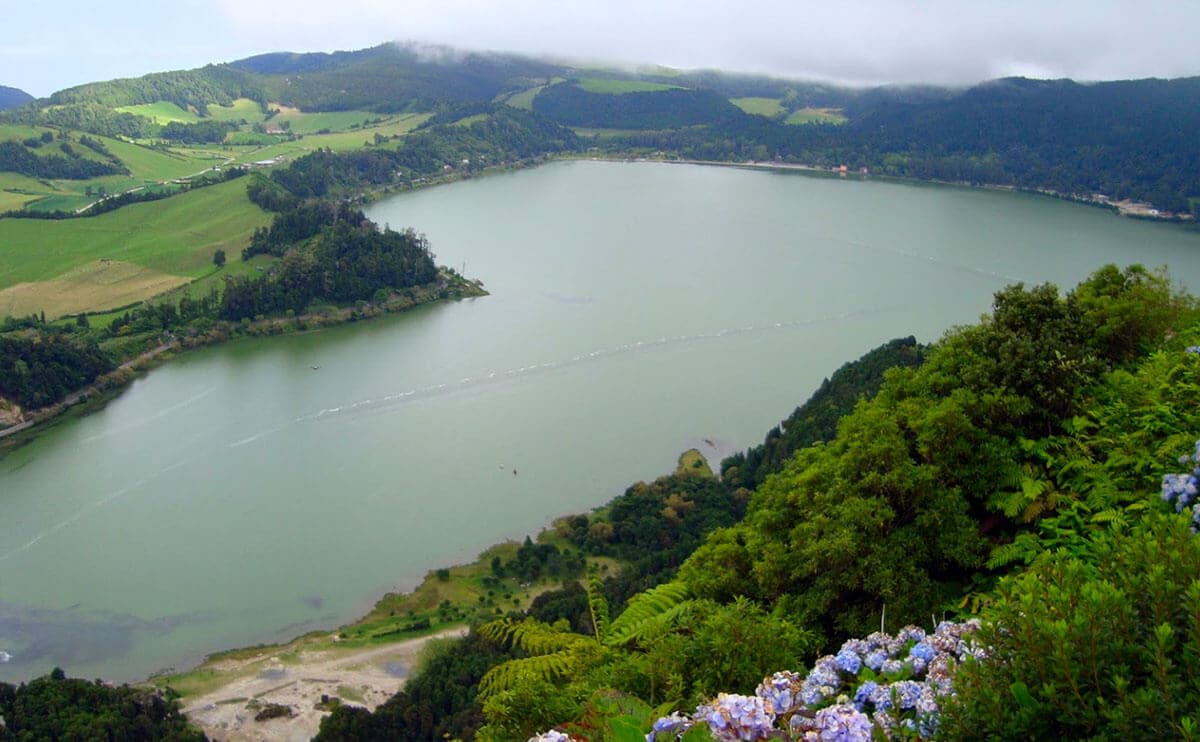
(646, 611)
(529, 635)
(548, 667)
(598, 607)
(1023, 549)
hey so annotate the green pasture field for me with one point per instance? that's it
(593, 133)
(17, 190)
(150, 164)
(355, 139)
(608, 86)
(524, 99)
(242, 109)
(146, 165)
(161, 112)
(816, 116)
(769, 107)
(176, 236)
(467, 121)
(20, 132)
(334, 121)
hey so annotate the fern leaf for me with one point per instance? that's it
(644, 611)
(529, 635)
(598, 607)
(546, 667)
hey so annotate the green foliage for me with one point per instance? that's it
(16, 157)
(580, 105)
(201, 132)
(816, 419)
(647, 613)
(525, 707)
(42, 365)
(57, 707)
(438, 702)
(980, 442)
(1098, 645)
(347, 260)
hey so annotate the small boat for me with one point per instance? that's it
(314, 368)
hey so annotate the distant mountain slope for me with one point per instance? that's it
(13, 97)
(1132, 138)
(392, 77)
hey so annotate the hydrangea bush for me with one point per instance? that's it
(892, 684)
(1180, 489)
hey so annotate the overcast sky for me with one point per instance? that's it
(46, 47)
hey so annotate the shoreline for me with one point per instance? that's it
(449, 287)
(1124, 208)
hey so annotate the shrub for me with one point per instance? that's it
(1100, 645)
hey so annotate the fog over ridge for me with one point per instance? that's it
(864, 42)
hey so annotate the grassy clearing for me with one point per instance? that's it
(524, 99)
(471, 120)
(243, 109)
(176, 236)
(769, 107)
(95, 285)
(357, 138)
(20, 132)
(816, 116)
(585, 131)
(333, 121)
(607, 86)
(18, 190)
(150, 164)
(161, 112)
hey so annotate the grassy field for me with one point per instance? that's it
(161, 112)
(20, 131)
(175, 237)
(524, 99)
(608, 86)
(311, 123)
(355, 139)
(242, 109)
(92, 286)
(467, 121)
(816, 116)
(585, 131)
(146, 165)
(769, 107)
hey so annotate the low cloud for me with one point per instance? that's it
(857, 42)
(865, 42)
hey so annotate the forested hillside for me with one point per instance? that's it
(1124, 140)
(13, 97)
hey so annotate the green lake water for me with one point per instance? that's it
(236, 495)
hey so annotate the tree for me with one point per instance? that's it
(219, 258)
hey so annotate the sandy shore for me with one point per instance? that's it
(360, 677)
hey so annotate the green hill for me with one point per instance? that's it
(13, 97)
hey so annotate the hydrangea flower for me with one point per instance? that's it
(875, 659)
(848, 661)
(734, 718)
(780, 692)
(670, 727)
(551, 736)
(840, 698)
(837, 723)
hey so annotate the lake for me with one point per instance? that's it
(238, 494)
